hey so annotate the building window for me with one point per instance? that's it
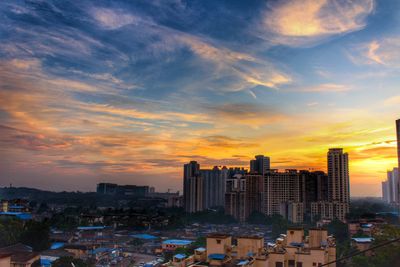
(278, 264)
(218, 241)
(291, 263)
(299, 264)
(314, 264)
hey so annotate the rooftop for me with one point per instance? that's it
(221, 236)
(251, 237)
(217, 256)
(363, 239)
(144, 236)
(180, 256)
(179, 242)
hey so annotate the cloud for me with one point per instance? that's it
(245, 70)
(307, 22)
(385, 52)
(392, 101)
(113, 19)
(325, 88)
(245, 114)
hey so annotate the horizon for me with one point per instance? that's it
(128, 92)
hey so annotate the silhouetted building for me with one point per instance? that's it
(214, 187)
(292, 211)
(193, 187)
(398, 155)
(122, 190)
(260, 165)
(235, 197)
(385, 191)
(313, 187)
(106, 188)
(338, 176)
(254, 193)
(390, 189)
(280, 187)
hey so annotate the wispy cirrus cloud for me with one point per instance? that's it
(384, 52)
(326, 88)
(113, 18)
(392, 101)
(308, 22)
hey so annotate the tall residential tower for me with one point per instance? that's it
(193, 187)
(338, 177)
(260, 165)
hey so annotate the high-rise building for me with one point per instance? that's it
(214, 186)
(107, 188)
(398, 142)
(235, 197)
(260, 165)
(385, 192)
(193, 187)
(254, 193)
(293, 212)
(338, 176)
(398, 155)
(390, 189)
(313, 188)
(122, 190)
(280, 187)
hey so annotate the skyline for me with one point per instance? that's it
(128, 92)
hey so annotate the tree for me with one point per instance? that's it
(339, 230)
(257, 218)
(388, 255)
(10, 231)
(36, 235)
(279, 225)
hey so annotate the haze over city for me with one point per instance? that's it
(129, 91)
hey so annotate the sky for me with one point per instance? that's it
(129, 91)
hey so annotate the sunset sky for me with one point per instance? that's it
(129, 91)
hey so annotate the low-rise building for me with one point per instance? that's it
(173, 244)
(362, 243)
(292, 249)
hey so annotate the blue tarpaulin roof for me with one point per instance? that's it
(56, 245)
(180, 256)
(19, 215)
(144, 236)
(216, 256)
(243, 262)
(178, 242)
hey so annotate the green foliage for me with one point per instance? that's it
(200, 242)
(339, 230)
(210, 216)
(31, 233)
(187, 251)
(365, 208)
(63, 221)
(388, 255)
(257, 218)
(279, 225)
(10, 231)
(36, 235)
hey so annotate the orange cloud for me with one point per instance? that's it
(302, 22)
